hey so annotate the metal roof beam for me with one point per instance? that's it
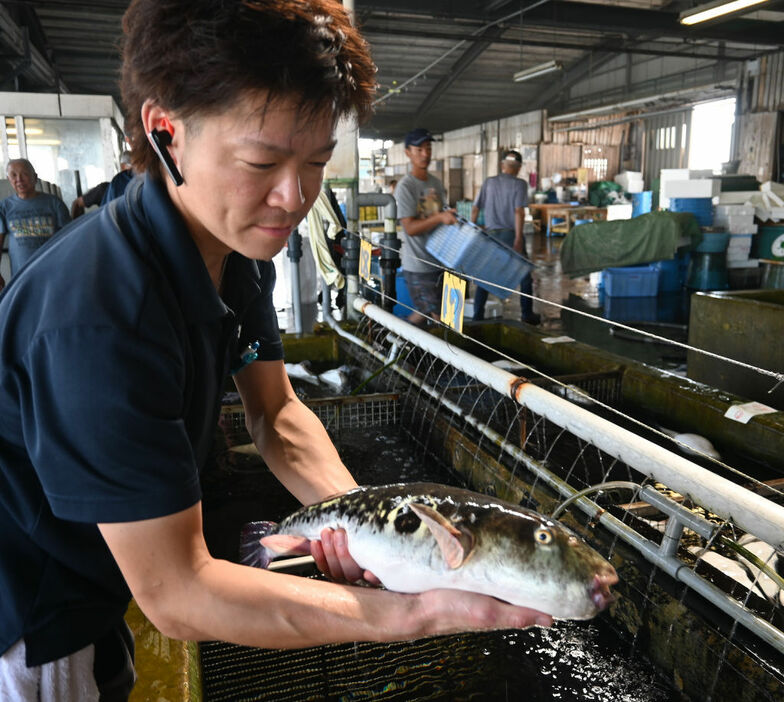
(459, 67)
(14, 41)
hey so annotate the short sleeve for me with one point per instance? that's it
(480, 199)
(521, 198)
(62, 215)
(260, 321)
(104, 425)
(406, 200)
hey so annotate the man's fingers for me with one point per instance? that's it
(351, 571)
(333, 568)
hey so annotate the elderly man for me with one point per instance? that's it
(28, 217)
(503, 198)
(138, 316)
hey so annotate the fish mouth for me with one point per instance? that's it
(600, 588)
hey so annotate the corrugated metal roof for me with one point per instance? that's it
(442, 63)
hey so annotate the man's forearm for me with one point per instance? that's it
(417, 227)
(519, 228)
(299, 452)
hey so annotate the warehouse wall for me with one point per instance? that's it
(633, 145)
(626, 78)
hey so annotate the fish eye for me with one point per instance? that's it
(543, 536)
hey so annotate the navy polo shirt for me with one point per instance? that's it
(114, 348)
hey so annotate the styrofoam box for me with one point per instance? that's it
(690, 188)
(775, 214)
(736, 224)
(621, 211)
(734, 210)
(630, 181)
(673, 174)
(738, 197)
(741, 239)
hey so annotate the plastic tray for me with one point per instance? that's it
(631, 281)
(466, 249)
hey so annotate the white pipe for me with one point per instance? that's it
(749, 511)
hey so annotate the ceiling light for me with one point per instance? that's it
(711, 10)
(29, 131)
(536, 71)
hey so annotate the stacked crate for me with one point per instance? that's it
(738, 222)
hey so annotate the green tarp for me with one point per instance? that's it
(655, 236)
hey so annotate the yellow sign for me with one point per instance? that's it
(365, 257)
(453, 301)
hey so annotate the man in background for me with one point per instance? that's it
(503, 199)
(118, 184)
(28, 217)
(421, 202)
(106, 191)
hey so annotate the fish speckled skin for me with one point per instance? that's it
(421, 536)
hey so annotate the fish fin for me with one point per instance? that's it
(286, 545)
(455, 545)
(252, 552)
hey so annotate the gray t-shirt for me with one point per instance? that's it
(499, 196)
(419, 199)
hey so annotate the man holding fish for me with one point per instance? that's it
(116, 341)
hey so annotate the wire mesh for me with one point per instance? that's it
(739, 565)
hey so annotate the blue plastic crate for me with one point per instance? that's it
(642, 203)
(700, 207)
(672, 272)
(631, 281)
(465, 248)
(713, 242)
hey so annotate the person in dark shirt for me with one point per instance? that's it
(108, 190)
(113, 370)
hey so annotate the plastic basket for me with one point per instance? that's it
(631, 281)
(672, 272)
(642, 203)
(713, 242)
(700, 207)
(466, 249)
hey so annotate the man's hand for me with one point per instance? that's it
(448, 216)
(333, 559)
(453, 611)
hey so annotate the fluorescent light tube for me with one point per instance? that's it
(711, 10)
(536, 71)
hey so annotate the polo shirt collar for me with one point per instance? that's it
(187, 273)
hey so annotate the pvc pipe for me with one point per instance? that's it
(751, 512)
(385, 200)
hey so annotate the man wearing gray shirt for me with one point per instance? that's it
(420, 200)
(503, 198)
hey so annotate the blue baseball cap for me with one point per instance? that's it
(418, 136)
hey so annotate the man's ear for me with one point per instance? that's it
(161, 134)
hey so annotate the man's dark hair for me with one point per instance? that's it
(197, 57)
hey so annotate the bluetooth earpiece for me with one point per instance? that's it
(160, 139)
